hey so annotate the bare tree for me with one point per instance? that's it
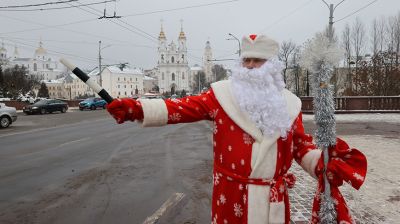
(358, 38)
(397, 37)
(286, 50)
(358, 42)
(375, 36)
(346, 44)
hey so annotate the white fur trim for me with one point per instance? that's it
(277, 213)
(310, 160)
(258, 209)
(155, 112)
(261, 47)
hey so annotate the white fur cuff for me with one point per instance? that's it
(310, 160)
(155, 112)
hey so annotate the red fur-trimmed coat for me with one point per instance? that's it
(250, 176)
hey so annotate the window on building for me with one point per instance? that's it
(119, 93)
(125, 86)
(131, 86)
(173, 76)
(183, 57)
(125, 93)
(162, 76)
(118, 86)
(183, 75)
(34, 67)
(172, 59)
(136, 79)
(118, 78)
(124, 79)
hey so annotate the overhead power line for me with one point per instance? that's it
(54, 8)
(285, 16)
(143, 33)
(35, 5)
(358, 10)
(181, 8)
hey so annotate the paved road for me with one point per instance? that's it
(80, 167)
(96, 171)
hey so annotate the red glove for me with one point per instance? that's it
(345, 164)
(125, 109)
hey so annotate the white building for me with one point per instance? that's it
(172, 64)
(122, 81)
(149, 84)
(41, 65)
(194, 71)
(207, 63)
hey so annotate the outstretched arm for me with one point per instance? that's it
(158, 112)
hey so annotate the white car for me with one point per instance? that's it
(8, 115)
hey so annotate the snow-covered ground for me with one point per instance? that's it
(376, 117)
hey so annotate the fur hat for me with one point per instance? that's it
(259, 46)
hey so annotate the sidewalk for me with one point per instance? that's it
(378, 200)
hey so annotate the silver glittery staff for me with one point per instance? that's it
(88, 80)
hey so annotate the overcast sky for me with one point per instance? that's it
(74, 33)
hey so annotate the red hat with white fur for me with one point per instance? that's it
(259, 46)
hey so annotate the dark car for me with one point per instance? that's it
(46, 106)
(92, 103)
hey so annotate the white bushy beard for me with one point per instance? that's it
(258, 92)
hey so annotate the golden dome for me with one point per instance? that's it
(182, 35)
(40, 50)
(162, 35)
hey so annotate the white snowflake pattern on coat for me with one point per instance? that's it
(358, 176)
(237, 209)
(216, 179)
(175, 117)
(215, 128)
(247, 139)
(222, 199)
(176, 100)
(213, 113)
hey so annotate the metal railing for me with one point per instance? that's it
(359, 104)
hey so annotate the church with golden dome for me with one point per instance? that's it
(40, 65)
(172, 64)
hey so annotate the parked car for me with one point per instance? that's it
(8, 115)
(92, 103)
(46, 106)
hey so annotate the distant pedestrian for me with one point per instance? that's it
(257, 133)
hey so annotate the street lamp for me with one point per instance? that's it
(101, 48)
(236, 40)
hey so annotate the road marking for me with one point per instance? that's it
(49, 128)
(172, 201)
(75, 141)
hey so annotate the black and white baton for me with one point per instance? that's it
(88, 81)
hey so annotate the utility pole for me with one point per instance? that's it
(100, 63)
(331, 8)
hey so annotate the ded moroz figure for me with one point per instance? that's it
(257, 133)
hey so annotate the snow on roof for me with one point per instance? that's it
(148, 78)
(57, 81)
(196, 68)
(126, 70)
(22, 59)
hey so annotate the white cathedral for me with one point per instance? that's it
(40, 65)
(173, 71)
